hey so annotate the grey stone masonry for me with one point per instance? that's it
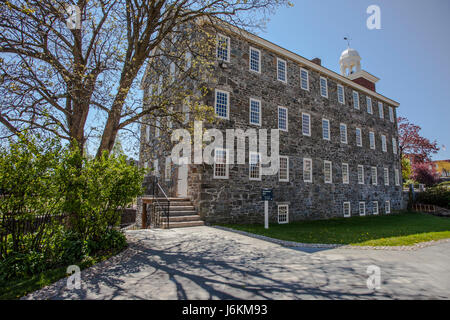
(237, 199)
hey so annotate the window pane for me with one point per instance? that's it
(221, 104)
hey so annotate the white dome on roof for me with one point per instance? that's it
(349, 59)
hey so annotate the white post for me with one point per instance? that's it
(266, 214)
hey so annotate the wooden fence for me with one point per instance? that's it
(429, 208)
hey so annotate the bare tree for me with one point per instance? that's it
(53, 78)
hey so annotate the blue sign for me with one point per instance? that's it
(267, 194)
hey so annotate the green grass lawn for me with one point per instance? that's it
(405, 228)
(16, 288)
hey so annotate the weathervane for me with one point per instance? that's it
(347, 38)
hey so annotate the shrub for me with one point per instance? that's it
(423, 174)
(439, 196)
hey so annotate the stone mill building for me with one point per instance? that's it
(338, 139)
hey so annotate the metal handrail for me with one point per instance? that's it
(157, 203)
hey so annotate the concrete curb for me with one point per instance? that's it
(293, 244)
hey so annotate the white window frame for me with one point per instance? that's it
(386, 176)
(287, 170)
(228, 47)
(250, 59)
(349, 214)
(358, 141)
(363, 207)
(287, 213)
(383, 143)
(305, 178)
(397, 177)
(356, 100)
(372, 140)
(328, 131)
(157, 125)
(156, 167)
(250, 111)
(250, 166)
(287, 118)
(387, 206)
(309, 124)
(345, 177)
(375, 206)
(343, 94)
(372, 171)
(322, 87)
(394, 145)
(369, 104)
(228, 104)
(380, 110)
(226, 176)
(360, 181)
(325, 178)
(285, 70)
(391, 114)
(340, 133)
(307, 79)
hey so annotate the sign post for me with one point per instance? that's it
(266, 195)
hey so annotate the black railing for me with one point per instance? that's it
(160, 206)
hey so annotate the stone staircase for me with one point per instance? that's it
(182, 214)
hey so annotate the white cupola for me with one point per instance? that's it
(350, 62)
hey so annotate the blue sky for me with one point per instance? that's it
(410, 53)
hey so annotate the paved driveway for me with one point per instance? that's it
(208, 263)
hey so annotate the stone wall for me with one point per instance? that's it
(238, 199)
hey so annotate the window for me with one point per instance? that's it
(172, 71)
(373, 171)
(383, 143)
(362, 208)
(157, 126)
(375, 207)
(326, 129)
(345, 178)
(323, 87)
(186, 110)
(369, 105)
(283, 118)
(283, 213)
(346, 209)
(156, 167)
(255, 166)
(327, 171)
(372, 140)
(358, 137)
(148, 133)
(306, 124)
(343, 129)
(386, 176)
(307, 170)
(397, 177)
(391, 114)
(188, 58)
(281, 70)
(221, 164)
(360, 174)
(394, 146)
(223, 48)
(283, 173)
(255, 60)
(356, 100)
(304, 79)
(387, 206)
(255, 112)
(168, 169)
(340, 92)
(222, 104)
(380, 110)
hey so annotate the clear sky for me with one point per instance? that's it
(410, 53)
